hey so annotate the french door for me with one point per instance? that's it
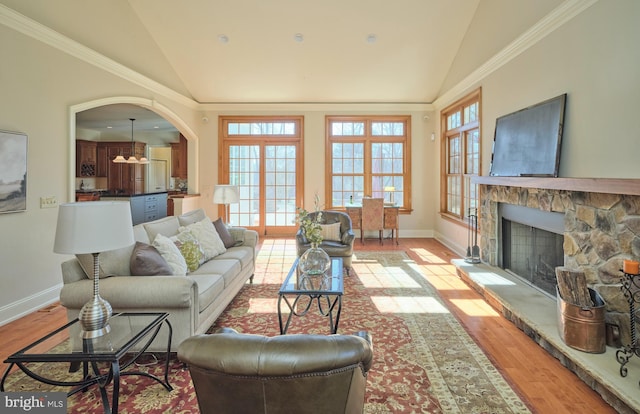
(265, 163)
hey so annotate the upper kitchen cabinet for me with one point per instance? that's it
(86, 158)
(179, 158)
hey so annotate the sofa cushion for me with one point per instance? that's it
(207, 236)
(147, 261)
(112, 262)
(223, 232)
(191, 217)
(140, 234)
(171, 254)
(227, 268)
(244, 254)
(167, 226)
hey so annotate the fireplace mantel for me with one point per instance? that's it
(629, 186)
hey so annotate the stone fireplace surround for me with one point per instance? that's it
(601, 229)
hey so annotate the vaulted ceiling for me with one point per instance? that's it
(291, 51)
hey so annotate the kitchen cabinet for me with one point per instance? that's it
(102, 161)
(179, 158)
(122, 177)
(148, 207)
(86, 158)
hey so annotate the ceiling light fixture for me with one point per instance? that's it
(224, 39)
(298, 37)
(371, 38)
(132, 158)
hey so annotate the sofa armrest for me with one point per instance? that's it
(246, 236)
(125, 292)
(72, 271)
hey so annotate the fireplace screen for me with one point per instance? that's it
(532, 254)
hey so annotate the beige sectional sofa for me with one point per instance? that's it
(194, 300)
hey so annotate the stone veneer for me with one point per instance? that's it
(600, 231)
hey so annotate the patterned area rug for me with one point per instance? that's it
(424, 361)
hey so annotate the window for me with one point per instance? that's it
(461, 156)
(368, 156)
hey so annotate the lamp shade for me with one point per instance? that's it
(225, 194)
(93, 227)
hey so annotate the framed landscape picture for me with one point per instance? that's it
(13, 172)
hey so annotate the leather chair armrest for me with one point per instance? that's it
(348, 237)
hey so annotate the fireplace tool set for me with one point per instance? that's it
(631, 290)
(473, 251)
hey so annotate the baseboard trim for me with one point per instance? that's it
(23, 307)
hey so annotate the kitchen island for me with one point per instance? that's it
(144, 207)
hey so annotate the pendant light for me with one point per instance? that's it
(132, 158)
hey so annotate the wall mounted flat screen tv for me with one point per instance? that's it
(527, 142)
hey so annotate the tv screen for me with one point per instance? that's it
(527, 142)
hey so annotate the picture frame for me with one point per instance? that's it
(13, 172)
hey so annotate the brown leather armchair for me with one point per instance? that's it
(336, 248)
(244, 373)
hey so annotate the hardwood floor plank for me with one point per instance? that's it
(547, 386)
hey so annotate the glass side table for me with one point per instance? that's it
(326, 290)
(131, 334)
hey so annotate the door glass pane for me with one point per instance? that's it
(280, 185)
(244, 171)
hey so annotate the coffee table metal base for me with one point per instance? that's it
(331, 309)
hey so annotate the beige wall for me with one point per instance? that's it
(39, 85)
(594, 58)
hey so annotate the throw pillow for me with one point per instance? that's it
(223, 232)
(207, 236)
(190, 250)
(170, 252)
(330, 232)
(146, 260)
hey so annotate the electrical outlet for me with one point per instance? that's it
(48, 202)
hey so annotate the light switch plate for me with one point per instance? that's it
(48, 202)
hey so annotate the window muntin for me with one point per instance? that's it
(261, 128)
(461, 156)
(368, 156)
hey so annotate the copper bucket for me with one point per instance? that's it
(581, 327)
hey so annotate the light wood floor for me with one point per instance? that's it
(540, 379)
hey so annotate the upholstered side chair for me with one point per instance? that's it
(337, 236)
(244, 373)
(372, 217)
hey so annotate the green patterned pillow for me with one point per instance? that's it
(190, 249)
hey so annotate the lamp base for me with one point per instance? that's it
(94, 318)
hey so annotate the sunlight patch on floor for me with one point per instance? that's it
(263, 305)
(474, 307)
(446, 282)
(408, 304)
(385, 277)
(429, 257)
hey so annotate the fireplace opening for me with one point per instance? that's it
(532, 245)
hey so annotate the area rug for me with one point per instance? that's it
(424, 361)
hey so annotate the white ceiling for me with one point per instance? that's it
(415, 44)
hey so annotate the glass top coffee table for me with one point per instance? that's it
(103, 359)
(300, 291)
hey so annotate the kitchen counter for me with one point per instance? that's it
(182, 195)
(124, 195)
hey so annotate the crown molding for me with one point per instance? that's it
(558, 17)
(317, 106)
(38, 31)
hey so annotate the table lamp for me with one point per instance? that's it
(390, 190)
(94, 227)
(226, 194)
